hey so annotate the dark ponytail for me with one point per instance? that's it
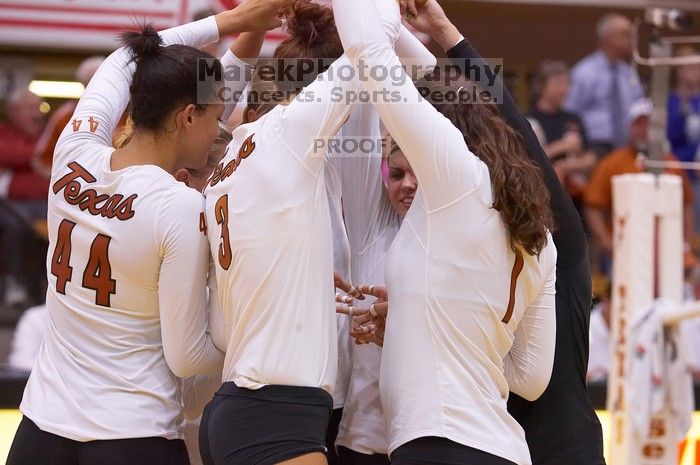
(166, 78)
(144, 45)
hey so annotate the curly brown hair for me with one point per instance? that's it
(312, 32)
(519, 192)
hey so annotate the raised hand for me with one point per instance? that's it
(252, 15)
(428, 17)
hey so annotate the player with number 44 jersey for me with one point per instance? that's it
(127, 274)
(128, 260)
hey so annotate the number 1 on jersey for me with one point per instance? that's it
(517, 268)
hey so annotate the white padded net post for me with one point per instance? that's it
(648, 263)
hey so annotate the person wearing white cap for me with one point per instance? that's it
(598, 196)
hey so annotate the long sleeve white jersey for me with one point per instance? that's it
(270, 235)
(461, 332)
(349, 182)
(371, 224)
(127, 267)
(341, 265)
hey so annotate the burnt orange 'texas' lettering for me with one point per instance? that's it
(107, 206)
(222, 172)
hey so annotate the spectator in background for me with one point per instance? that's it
(598, 195)
(23, 192)
(43, 152)
(684, 119)
(18, 137)
(561, 133)
(604, 86)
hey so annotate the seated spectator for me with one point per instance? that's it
(23, 191)
(598, 195)
(43, 151)
(561, 133)
(27, 338)
(684, 119)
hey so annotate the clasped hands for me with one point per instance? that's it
(368, 322)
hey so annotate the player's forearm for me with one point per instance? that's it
(248, 45)
(237, 74)
(414, 55)
(446, 35)
(365, 25)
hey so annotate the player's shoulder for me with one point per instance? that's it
(81, 150)
(246, 141)
(179, 195)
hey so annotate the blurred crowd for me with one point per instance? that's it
(592, 119)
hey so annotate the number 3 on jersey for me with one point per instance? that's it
(221, 214)
(98, 271)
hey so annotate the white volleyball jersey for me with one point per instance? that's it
(127, 269)
(270, 236)
(371, 224)
(467, 321)
(341, 265)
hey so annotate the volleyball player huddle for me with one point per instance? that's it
(451, 244)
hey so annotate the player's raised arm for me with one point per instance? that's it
(106, 96)
(322, 107)
(361, 182)
(239, 64)
(438, 154)
(569, 236)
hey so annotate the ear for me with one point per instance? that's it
(182, 175)
(187, 114)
